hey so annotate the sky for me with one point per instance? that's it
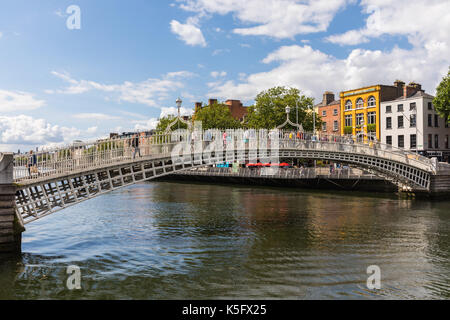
(81, 69)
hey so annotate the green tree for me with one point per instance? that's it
(164, 122)
(269, 110)
(216, 116)
(442, 100)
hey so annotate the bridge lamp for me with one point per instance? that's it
(178, 102)
(288, 110)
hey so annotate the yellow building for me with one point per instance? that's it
(360, 108)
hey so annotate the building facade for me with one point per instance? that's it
(238, 111)
(410, 122)
(360, 109)
(329, 112)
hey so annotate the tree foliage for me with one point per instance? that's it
(165, 121)
(442, 100)
(216, 116)
(269, 110)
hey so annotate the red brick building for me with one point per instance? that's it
(329, 111)
(238, 111)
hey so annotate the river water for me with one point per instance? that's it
(170, 240)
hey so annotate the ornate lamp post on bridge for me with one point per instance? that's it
(178, 119)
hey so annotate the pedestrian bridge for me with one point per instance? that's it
(68, 175)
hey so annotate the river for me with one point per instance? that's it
(173, 240)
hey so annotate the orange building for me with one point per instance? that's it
(329, 112)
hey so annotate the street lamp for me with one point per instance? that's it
(178, 102)
(288, 110)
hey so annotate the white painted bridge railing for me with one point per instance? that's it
(78, 157)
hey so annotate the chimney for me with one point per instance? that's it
(212, 101)
(328, 97)
(411, 89)
(198, 106)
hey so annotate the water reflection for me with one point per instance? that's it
(178, 240)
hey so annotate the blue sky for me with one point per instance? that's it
(131, 59)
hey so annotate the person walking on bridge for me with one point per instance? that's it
(32, 164)
(135, 145)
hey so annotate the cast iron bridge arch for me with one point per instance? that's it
(69, 175)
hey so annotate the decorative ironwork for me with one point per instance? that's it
(178, 119)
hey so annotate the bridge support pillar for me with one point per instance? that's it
(10, 228)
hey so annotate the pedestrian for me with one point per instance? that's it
(135, 145)
(32, 164)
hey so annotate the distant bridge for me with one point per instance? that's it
(68, 175)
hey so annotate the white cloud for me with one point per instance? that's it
(314, 71)
(147, 92)
(95, 116)
(216, 74)
(220, 51)
(18, 101)
(26, 130)
(189, 33)
(165, 111)
(424, 23)
(274, 18)
(420, 20)
(145, 124)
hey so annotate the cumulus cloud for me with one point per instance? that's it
(28, 131)
(314, 71)
(188, 32)
(165, 111)
(420, 20)
(216, 74)
(95, 116)
(148, 124)
(146, 92)
(18, 101)
(274, 18)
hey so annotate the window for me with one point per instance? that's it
(412, 141)
(430, 141)
(436, 121)
(372, 117)
(348, 120)
(400, 122)
(324, 126)
(430, 106)
(430, 120)
(359, 119)
(324, 113)
(446, 141)
(400, 108)
(359, 103)
(348, 105)
(335, 125)
(388, 109)
(436, 141)
(412, 106)
(371, 102)
(412, 121)
(401, 141)
(335, 112)
(389, 140)
(388, 123)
